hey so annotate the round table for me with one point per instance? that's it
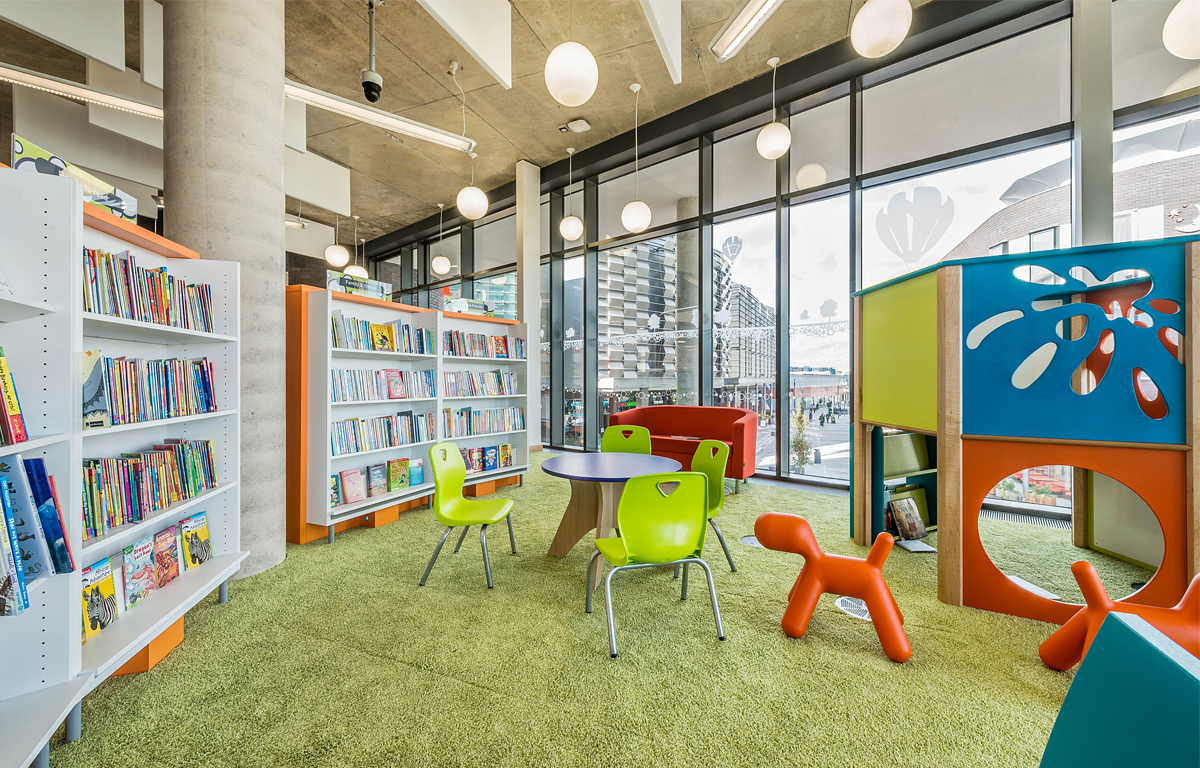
(597, 480)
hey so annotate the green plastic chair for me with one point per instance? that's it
(711, 458)
(454, 511)
(660, 522)
(625, 438)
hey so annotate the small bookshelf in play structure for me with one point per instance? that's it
(970, 370)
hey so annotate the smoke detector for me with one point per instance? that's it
(579, 126)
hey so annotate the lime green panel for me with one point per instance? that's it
(900, 353)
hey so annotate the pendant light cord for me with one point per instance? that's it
(570, 166)
(774, 69)
(454, 74)
(636, 97)
(356, 242)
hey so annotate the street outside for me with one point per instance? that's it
(831, 441)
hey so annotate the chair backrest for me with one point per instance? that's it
(625, 438)
(711, 458)
(449, 470)
(663, 517)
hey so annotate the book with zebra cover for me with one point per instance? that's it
(140, 578)
(99, 598)
(197, 549)
(166, 556)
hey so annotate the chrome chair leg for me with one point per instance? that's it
(712, 594)
(511, 539)
(713, 522)
(433, 559)
(612, 632)
(683, 595)
(487, 564)
(591, 569)
(677, 570)
(462, 538)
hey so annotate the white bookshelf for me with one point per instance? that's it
(321, 412)
(44, 331)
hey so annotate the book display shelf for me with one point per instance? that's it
(44, 332)
(314, 412)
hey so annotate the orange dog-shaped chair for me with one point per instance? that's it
(837, 575)
(1070, 642)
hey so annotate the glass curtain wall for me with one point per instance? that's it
(964, 153)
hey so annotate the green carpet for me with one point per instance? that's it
(337, 658)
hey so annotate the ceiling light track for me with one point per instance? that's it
(78, 91)
(741, 27)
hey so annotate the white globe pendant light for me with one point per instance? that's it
(440, 264)
(880, 26)
(1181, 32)
(571, 72)
(336, 254)
(811, 175)
(472, 202)
(571, 227)
(775, 137)
(635, 216)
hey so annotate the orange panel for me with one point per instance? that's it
(354, 298)
(481, 318)
(480, 489)
(1157, 476)
(131, 233)
(381, 517)
(296, 391)
(155, 651)
(312, 532)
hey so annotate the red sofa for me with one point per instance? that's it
(671, 425)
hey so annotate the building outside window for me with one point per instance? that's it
(572, 402)
(500, 294)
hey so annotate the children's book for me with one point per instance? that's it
(416, 471)
(334, 491)
(11, 602)
(352, 486)
(140, 578)
(99, 598)
(197, 549)
(56, 540)
(395, 385)
(62, 522)
(505, 455)
(13, 426)
(491, 458)
(476, 462)
(166, 556)
(500, 346)
(376, 479)
(908, 519)
(14, 566)
(35, 554)
(95, 392)
(382, 339)
(397, 474)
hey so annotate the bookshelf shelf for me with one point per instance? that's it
(395, 401)
(36, 444)
(486, 434)
(48, 669)
(124, 535)
(367, 354)
(128, 634)
(14, 309)
(157, 423)
(381, 450)
(311, 412)
(106, 327)
(342, 511)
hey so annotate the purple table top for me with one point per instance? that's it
(607, 467)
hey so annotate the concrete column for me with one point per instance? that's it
(529, 287)
(1091, 109)
(223, 190)
(687, 299)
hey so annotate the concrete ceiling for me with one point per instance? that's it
(397, 182)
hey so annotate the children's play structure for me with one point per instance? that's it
(979, 368)
(836, 574)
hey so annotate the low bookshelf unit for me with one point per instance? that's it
(373, 384)
(49, 330)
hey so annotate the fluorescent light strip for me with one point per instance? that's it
(376, 117)
(741, 27)
(70, 90)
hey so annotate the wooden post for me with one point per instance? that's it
(949, 437)
(1190, 349)
(860, 468)
(1079, 507)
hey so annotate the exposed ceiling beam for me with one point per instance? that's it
(483, 27)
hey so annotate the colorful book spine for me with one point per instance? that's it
(12, 429)
(114, 285)
(147, 390)
(468, 422)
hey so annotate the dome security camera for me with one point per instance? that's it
(372, 84)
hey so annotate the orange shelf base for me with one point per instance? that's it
(155, 651)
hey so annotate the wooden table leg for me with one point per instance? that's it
(579, 518)
(606, 517)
